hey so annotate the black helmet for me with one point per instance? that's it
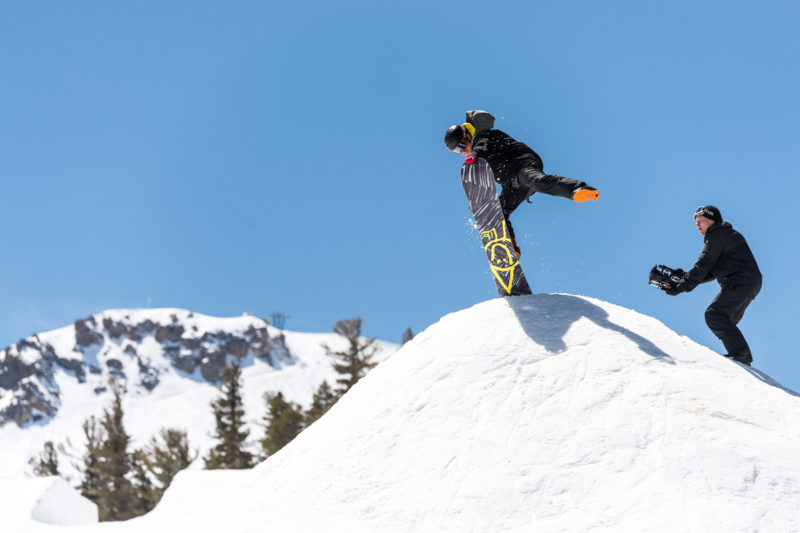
(455, 138)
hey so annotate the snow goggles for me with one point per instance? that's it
(458, 136)
(462, 144)
(704, 211)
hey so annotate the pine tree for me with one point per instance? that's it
(90, 469)
(353, 363)
(230, 430)
(115, 491)
(323, 400)
(283, 421)
(146, 494)
(168, 457)
(407, 335)
(46, 463)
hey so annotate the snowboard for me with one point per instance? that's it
(479, 186)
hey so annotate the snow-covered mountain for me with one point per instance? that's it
(534, 413)
(170, 361)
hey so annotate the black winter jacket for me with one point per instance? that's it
(726, 257)
(515, 165)
(505, 155)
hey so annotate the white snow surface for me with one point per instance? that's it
(535, 413)
(49, 500)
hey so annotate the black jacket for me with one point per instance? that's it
(505, 155)
(515, 165)
(726, 257)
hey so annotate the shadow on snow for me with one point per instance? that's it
(546, 318)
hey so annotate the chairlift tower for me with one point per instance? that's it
(278, 319)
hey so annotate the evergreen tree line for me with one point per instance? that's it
(284, 419)
(125, 483)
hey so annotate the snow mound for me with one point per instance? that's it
(544, 412)
(49, 500)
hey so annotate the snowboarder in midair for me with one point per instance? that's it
(727, 258)
(516, 167)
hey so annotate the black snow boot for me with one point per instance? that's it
(745, 359)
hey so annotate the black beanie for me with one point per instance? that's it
(708, 211)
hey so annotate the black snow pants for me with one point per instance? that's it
(532, 179)
(536, 180)
(725, 312)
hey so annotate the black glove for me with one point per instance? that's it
(676, 290)
(679, 272)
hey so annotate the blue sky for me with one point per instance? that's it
(230, 157)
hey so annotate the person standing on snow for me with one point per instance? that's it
(516, 167)
(727, 258)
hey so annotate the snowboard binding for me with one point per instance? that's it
(664, 277)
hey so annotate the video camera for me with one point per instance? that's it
(664, 277)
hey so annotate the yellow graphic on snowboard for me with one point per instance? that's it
(502, 258)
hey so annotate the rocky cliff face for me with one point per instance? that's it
(134, 346)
